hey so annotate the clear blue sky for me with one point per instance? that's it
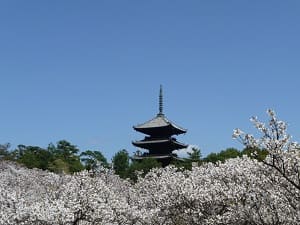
(87, 71)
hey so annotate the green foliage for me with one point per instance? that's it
(64, 150)
(142, 167)
(60, 158)
(233, 153)
(182, 164)
(120, 163)
(223, 155)
(195, 155)
(64, 158)
(91, 159)
(212, 157)
(59, 166)
(4, 151)
(67, 153)
(125, 169)
(34, 157)
(194, 158)
(229, 153)
(259, 154)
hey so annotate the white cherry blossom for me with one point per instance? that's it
(238, 191)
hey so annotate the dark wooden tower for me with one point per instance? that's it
(159, 140)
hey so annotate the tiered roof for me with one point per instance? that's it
(159, 143)
(160, 125)
(159, 140)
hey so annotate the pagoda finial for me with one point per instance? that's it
(160, 101)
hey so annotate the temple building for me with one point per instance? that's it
(159, 140)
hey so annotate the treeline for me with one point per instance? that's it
(64, 157)
(234, 153)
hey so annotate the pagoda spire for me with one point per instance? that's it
(160, 101)
(159, 141)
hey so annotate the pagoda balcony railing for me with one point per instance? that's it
(159, 138)
(145, 154)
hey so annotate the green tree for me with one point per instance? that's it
(184, 164)
(212, 157)
(223, 155)
(67, 153)
(229, 153)
(91, 159)
(65, 150)
(120, 163)
(195, 155)
(59, 166)
(143, 167)
(4, 151)
(35, 157)
(18, 152)
(259, 154)
(32, 156)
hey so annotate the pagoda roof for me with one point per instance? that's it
(158, 157)
(160, 122)
(159, 125)
(154, 143)
(153, 156)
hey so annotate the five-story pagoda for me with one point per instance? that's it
(159, 140)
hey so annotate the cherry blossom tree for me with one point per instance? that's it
(283, 159)
(283, 154)
(239, 191)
